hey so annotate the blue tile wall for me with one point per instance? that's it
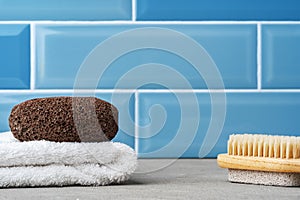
(65, 10)
(280, 59)
(62, 49)
(15, 54)
(268, 113)
(218, 10)
(169, 66)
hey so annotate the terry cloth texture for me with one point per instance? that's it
(46, 163)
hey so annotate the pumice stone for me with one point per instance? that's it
(64, 119)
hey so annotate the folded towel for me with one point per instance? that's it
(7, 137)
(45, 163)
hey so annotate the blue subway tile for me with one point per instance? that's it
(218, 10)
(167, 121)
(15, 56)
(123, 101)
(65, 10)
(280, 56)
(146, 56)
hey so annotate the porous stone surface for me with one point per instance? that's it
(64, 119)
(264, 178)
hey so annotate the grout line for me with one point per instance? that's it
(102, 90)
(133, 21)
(133, 4)
(32, 56)
(219, 90)
(180, 90)
(15, 22)
(136, 122)
(61, 91)
(87, 91)
(146, 22)
(279, 22)
(259, 56)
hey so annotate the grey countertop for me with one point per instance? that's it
(163, 179)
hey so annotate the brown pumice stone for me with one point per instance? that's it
(64, 119)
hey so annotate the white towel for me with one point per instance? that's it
(45, 163)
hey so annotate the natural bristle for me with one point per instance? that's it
(264, 146)
(262, 159)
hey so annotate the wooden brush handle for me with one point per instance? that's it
(259, 163)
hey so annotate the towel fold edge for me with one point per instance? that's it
(60, 175)
(120, 164)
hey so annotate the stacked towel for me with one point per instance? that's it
(46, 163)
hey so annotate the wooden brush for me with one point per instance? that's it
(262, 159)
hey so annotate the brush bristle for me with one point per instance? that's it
(264, 146)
